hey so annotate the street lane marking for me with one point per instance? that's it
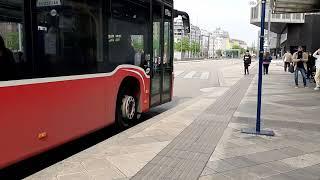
(205, 75)
(206, 90)
(177, 73)
(190, 75)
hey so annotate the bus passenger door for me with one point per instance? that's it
(167, 56)
(162, 64)
(156, 74)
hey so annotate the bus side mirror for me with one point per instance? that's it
(185, 19)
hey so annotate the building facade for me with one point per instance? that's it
(194, 37)
(240, 43)
(209, 42)
(204, 43)
(178, 29)
(287, 31)
(221, 39)
(219, 32)
(211, 52)
(195, 34)
(305, 35)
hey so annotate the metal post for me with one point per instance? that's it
(269, 26)
(263, 15)
(257, 130)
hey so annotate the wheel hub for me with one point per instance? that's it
(128, 107)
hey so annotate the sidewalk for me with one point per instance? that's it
(293, 154)
(201, 139)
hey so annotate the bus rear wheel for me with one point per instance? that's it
(126, 112)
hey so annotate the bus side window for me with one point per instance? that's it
(13, 64)
(129, 21)
(71, 38)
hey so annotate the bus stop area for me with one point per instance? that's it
(202, 138)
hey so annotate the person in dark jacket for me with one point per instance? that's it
(266, 62)
(7, 63)
(246, 62)
(310, 65)
(300, 60)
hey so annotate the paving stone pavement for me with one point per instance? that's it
(123, 155)
(186, 156)
(202, 139)
(293, 154)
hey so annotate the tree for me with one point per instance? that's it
(195, 47)
(182, 45)
(242, 51)
(238, 47)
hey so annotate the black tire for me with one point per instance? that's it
(123, 121)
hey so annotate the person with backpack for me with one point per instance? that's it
(247, 62)
(266, 62)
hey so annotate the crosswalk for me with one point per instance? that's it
(192, 75)
(205, 75)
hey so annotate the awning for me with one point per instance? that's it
(295, 6)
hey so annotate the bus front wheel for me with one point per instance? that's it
(126, 112)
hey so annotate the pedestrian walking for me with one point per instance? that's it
(247, 62)
(317, 76)
(310, 67)
(287, 59)
(300, 60)
(266, 62)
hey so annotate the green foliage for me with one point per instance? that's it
(138, 45)
(242, 51)
(233, 53)
(195, 47)
(12, 40)
(182, 45)
(238, 47)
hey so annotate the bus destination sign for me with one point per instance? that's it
(45, 3)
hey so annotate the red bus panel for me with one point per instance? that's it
(39, 116)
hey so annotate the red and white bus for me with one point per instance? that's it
(72, 67)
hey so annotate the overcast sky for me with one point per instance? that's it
(231, 15)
